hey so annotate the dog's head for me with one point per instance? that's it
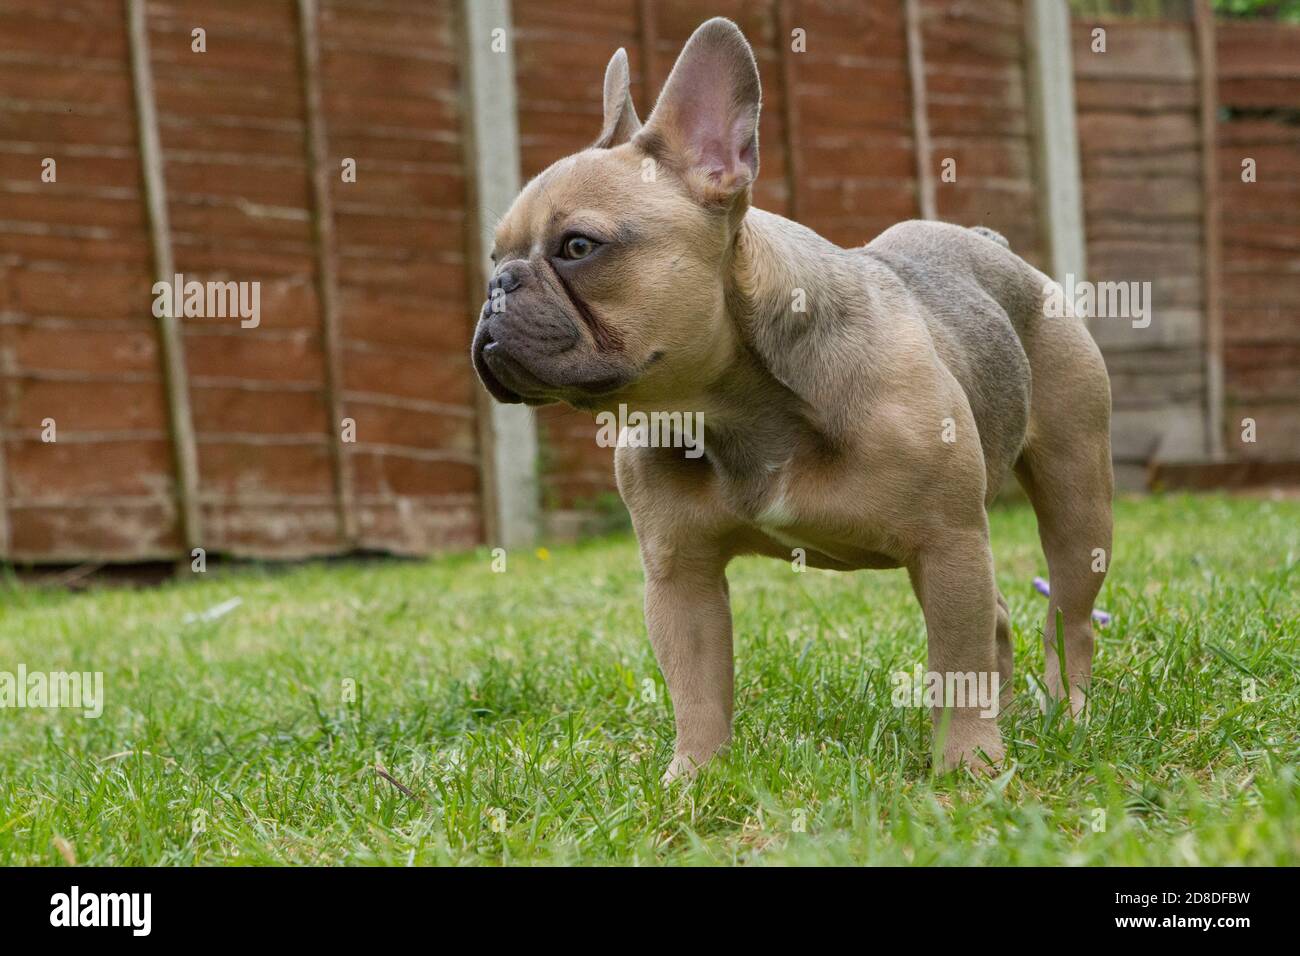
(610, 266)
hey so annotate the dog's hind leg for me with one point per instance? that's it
(1065, 468)
(1006, 658)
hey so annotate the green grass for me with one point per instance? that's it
(521, 697)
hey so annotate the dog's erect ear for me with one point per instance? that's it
(705, 124)
(621, 122)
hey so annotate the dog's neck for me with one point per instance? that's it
(783, 275)
(785, 285)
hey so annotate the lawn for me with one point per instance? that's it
(520, 717)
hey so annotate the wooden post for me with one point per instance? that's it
(645, 13)
(326, 271)
(5, 534)
(6, 395)
(927, 205)
(790, 107)
(1050, 88)
(507, 433)
(1208, 78)
(172, 349)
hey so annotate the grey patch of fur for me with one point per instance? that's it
(978, 300)
(988, 233)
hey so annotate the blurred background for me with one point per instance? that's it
(225, 164)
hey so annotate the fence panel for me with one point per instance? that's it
(391, 78)
(79, 353)
(1139, 139)
(1259, 96)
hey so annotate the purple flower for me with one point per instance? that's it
(1098, 615)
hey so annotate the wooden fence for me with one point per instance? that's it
(363, 285)
(1168, 112)
(1139, 138)
(349, 417)
(1259, 99)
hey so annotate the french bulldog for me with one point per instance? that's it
(861, 407)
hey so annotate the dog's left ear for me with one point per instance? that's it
(621, 122)
(705, 124)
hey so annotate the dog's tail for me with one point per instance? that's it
(988, 233)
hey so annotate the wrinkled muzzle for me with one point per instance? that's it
(534, 344)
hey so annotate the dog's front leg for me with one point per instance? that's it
(688, 616)
(954, 582)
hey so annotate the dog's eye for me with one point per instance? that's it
(577, 247)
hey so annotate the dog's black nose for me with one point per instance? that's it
(506, 280)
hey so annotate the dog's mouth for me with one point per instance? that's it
(583, 385)
(506, 379)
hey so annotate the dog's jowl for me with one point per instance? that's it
(861, 405)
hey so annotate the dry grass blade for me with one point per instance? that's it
(407, 791)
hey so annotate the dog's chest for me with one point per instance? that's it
(798, 507)
(778, 510)
(777, 503)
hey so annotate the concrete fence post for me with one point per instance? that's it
(507, 433)
(1050, 85)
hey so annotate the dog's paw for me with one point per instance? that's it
(982, 761)
(979, 748)
(684, 768)
(1078, 703)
